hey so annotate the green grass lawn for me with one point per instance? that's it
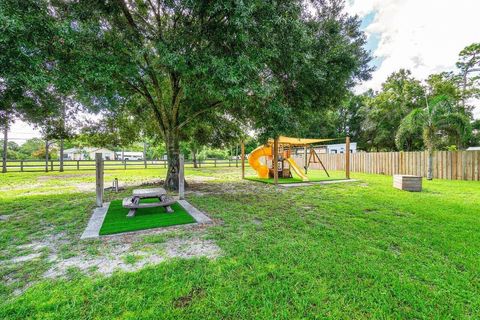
(340, 251)
(116, 220)
(313, 176)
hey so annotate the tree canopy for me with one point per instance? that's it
(170, 65)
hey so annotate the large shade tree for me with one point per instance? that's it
(267, 62)
(30, 88)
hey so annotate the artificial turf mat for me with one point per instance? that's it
(116, 220)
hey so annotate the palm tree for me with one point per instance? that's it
(437, 121)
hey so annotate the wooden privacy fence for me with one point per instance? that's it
(68, 165)
(452, 165)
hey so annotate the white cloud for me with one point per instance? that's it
(424, 36)
(20, 132)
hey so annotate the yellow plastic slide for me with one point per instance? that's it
(297, 170)
(254, 160)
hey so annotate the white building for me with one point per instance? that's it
(87, 153)
(330, 149)
(337, 148)
(129, 155)
(473, 149)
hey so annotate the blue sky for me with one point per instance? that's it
(424, 36)
(373, 39)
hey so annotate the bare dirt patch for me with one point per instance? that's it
(28, 257)
(85, 186)
(65, 176)
(121, 257)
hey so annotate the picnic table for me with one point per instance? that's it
(133, 202)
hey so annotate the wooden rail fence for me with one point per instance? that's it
(451, 165)
(68, 165)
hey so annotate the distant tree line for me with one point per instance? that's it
(34, 149)
(407, 114)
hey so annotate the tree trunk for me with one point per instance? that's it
(61, 155)
(5, 147)
(46, 155)
(173, 151)
(194, 158)
(430, 165)
(145, 154)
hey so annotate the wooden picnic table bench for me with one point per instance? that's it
(133, 202)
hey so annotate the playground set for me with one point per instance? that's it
(274, 159)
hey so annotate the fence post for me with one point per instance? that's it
(275, 161)
(145, 154)
(305, 164)
(164, 163)
(5, 147)
(78, 164)
(46, 155)
(125, 164)
(51, 165)
(347, 157)
(236, 155)
(21, 165)
(243, 159)
(181, 178)
(99, 178)
(215, 162)
(229, 160)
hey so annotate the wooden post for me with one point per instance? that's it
(181, 177)
(51, 165)
(347, 158)
(78, 164)
(236, 156)
(21, 165)
(305, 166)
(46, 155)
(145, 154)
(61, 155)
(99, 178)
(243, 159)
(275, 161)
(5, 147)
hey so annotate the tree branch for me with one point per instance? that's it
(151, 74)
(195, 114)
(176, 96)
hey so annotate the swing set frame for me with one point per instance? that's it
(313, 154)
